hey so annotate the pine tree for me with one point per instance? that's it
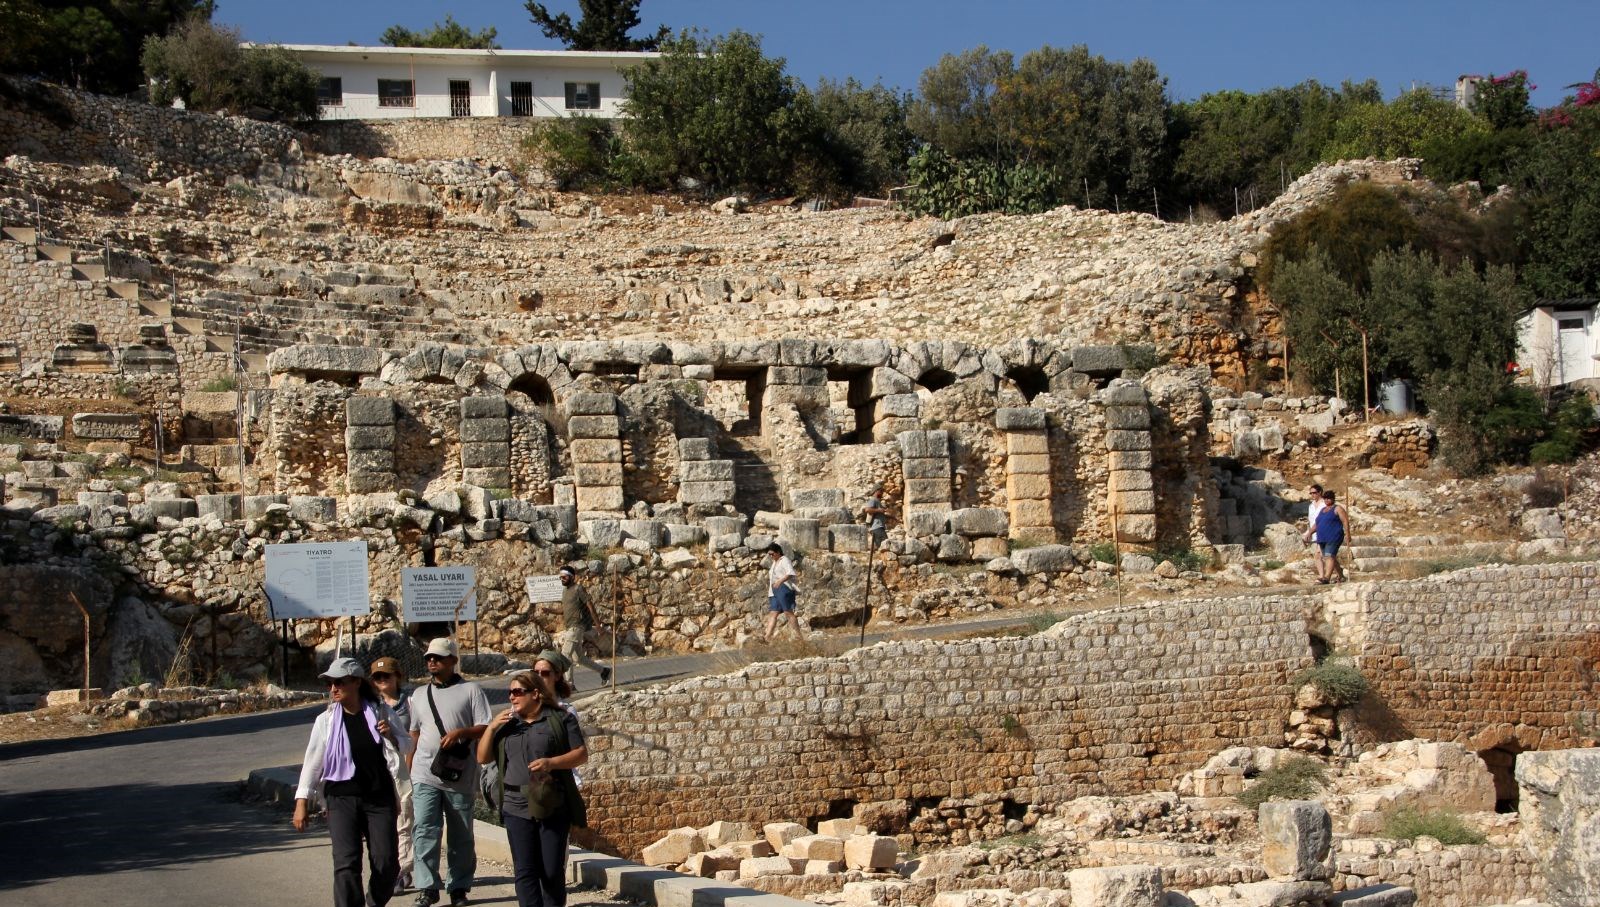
(602, 25)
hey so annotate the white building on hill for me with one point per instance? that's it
(1556, 342)
(370, 83)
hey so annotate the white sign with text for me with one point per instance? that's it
(432, 593)
(317, 579)
(543, 589)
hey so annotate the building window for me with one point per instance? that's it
(460, 98)
(396, 93)
(522, 99)
(583, 95)
(330, 92)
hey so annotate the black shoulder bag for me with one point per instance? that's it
(450, 762)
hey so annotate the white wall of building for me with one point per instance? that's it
(1556, 347)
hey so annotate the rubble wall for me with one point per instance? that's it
(1109, 702)
(1486, 657)
(425, 138)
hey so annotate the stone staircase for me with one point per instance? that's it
(755, 486)
(1398, 554)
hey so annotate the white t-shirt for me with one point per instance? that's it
(780, 568)
(1315, 508)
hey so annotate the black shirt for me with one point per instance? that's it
(526, 741)
(371, 781)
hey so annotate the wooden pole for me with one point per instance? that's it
(866, 592)
(87, 664)
(1116, 548)
(616, 620)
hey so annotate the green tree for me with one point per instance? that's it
(954, 108)
(94, 45)
(864, 129)
(1504, 101)
(203, 65)
(718, 111)
(21, 31)
(1404, 127)
(602, 25)
(1560, 230)
(446, 34)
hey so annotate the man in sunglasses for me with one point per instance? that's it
(447, 712)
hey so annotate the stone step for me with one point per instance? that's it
(54, 252)
(26, 235)
(255, 363)
(1383, 564)
(124, 289)
(155, 308)
(88, 271)
(196, 326)
(219, 343)
(1367, 551)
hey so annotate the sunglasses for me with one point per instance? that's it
(545, 673)
(518, 691)
(434, 657)
(382, 675)
(338, 681)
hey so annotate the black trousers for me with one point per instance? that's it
(539, 857)
(350, 819)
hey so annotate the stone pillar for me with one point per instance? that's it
(486, 442)
(595, 434)
(82, 353)
(151, 354)
(925, 462)
(703, 483)
(369, 437)
(1029, 488)
(1131, 488)
(804, 388)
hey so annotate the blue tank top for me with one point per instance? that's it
(1329, 527)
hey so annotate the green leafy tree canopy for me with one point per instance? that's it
(601, 25)
(95, 46)
(446, 34)
(204, 66)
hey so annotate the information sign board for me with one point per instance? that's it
(543, 589)
(317, 579)
(432, 593)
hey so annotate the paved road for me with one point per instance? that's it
(154, 816)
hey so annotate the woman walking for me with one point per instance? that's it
(356, 750)
(1332, 525)
(537, 744)
(386, 677)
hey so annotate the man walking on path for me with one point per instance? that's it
(876, 527)
(781, 592)
(446, 714)
(578, 621)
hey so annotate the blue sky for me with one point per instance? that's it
(1200, 46)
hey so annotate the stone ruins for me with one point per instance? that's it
(218, 335)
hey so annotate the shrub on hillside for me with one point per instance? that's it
(576, 150)
(203, 66)
(1295, 778)
(1445, 827)
(1340, 681)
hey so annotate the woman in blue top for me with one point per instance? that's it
(1332, 525)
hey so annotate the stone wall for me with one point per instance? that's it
(52, 123)
(425, 138)
(1491, 657)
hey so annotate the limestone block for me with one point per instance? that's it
(648, 531)
(814, 847)
(896, 406)
(1027, 487)
(673, 848)
(871, 852)
(1136, 528)
(925, 523)
(696, 449)
(484, 454)
(987, 549)
(682, 535)
(255, 505)
(1124, 393)
(1135, 418)
(756, 867)
(705, 471)
(926, 468)
(1282, 894)
(591, 450)
(600, 533)
(797, 375)
(977, 522)
(484, 408)
(746, 850)
(1043, 559)
(927, 491)
(719, 833)
(847, 537)
(593, 498)
(1105, 359)
(953, 549)
(801, 397)
(803, 534)
(1376, 896)
(173, 508)
(1131, 480)
(1296, 839)
(721, 543)
(344, 361)
(1131, 459)
(1136, 501)
(779, 834)
(358, 482)
(487, 476)
(369, 437)
(313, 508)
(886, 382)
(1019, 419)
(861, 353)
(1032, 513)
(579, 427)
(221, 506)
(1117, 886)
(1127, 440)
(1559, 807)
(108, 426)
(708, 863)
(705, 492)
(516, 510)
(562, 492)
(1133, 562)
(885, 431)
(1028, 465)
(593, 474)
(592, 404)
(1027, 442)
(724, 525)
(822, 867)
(485, 430)
(915, 444)
(816, 498)
(840, 828)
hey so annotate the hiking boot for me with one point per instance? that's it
(605, 675)
(402, 882)
(427, 897)
(458, 897)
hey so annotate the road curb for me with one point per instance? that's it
(646, 884)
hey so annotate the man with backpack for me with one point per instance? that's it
(448, 715)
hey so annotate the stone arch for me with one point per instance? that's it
(538, 361)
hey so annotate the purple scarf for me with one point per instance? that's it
(337, 764)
